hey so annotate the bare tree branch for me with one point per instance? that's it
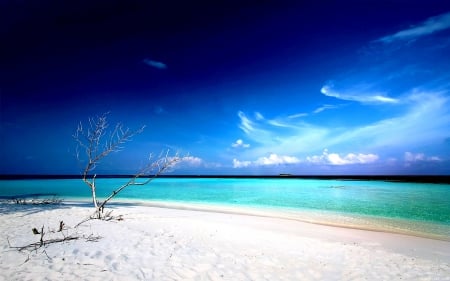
(157, 167)
(90, 140)
(98, 143)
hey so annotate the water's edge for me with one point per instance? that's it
(406, 208)
(350, 221)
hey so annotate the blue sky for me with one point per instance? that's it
(241, 88)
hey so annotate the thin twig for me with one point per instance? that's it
(99, 143)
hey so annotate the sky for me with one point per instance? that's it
(235, 87)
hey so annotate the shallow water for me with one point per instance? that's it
(411, 202)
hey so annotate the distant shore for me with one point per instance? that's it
(158, 243)
(445, 179)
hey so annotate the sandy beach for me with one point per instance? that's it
(154, 243)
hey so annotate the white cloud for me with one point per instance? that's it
(417, 157)
(272, 159)
(282, 140)
(278, 123)
(324, 107)
(254, 128)
(191, 160)
(155, 64)
(240, 143)
(297, 115)
(434, 158)
(327, 90)
(275, 159)
(414, 127)
(422, 119)
(241, 164)
(410, 157)
(259, 116)
(315, 111)
(336, 159)
(429, 26)
(246, 124)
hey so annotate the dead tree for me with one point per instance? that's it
(97, 142)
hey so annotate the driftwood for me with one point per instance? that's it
(32, 200)
(43, 242)
(105, 216)
(97, 143)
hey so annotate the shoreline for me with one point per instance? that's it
(319, 217)
(160, 243)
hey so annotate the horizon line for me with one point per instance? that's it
(400, 178)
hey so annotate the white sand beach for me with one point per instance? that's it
(154, 243)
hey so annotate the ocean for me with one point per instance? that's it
(405, 207)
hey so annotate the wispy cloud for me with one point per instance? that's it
(336, 159)
(279, 123)
(328, 90)
(429, 26)
(287, 135)
(240, 143)
(412, 94)
(254, 128)
(272, 159)
(246, 124)
(259, 116)
(324, 107)
(155, 64)
(192, 160)
(188, 160)
(417, 157)
(297, 115)
(407, 79)
(411, 128)
(241, 164)
(315, 111)
(407, 129)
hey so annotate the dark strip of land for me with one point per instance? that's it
(393, 178)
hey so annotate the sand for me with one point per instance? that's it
(155, 243)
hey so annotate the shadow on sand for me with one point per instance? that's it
(9, 206)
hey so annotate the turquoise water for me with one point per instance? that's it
(426, 207)
(416, 201)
